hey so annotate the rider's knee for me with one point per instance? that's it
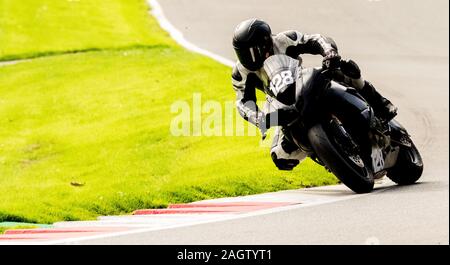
(285, 156)
(284, 164)
(350, 69)
(352, 74)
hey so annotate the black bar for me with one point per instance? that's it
(218, 254)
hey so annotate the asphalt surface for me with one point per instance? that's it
(402, 47)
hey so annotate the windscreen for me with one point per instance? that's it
(282, 73)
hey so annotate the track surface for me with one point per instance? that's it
(402, 47)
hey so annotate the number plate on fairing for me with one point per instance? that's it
(377, 159)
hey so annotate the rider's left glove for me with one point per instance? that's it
(331, 60)
(262, 124)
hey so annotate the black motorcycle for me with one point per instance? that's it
(337, 127)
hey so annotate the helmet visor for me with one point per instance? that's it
(253, 57)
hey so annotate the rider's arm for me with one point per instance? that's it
(245, 86)
(296, 43)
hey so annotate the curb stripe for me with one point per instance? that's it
(228, 204)
(177, 211)
(59, 231)
(229, 207)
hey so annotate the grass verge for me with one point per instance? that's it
(88, 134)
(33, 28)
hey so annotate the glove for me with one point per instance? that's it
(331, 60)
(280, 117)
(262, 124)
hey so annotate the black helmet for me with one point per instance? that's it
(252, 42)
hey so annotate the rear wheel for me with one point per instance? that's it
(348, 168)
(409, 166)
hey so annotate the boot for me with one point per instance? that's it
(383, 108)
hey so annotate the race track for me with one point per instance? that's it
(402, 47)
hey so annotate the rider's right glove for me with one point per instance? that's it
(331, 60)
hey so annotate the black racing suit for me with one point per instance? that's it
(245, 82)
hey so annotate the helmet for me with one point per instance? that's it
(252, 42)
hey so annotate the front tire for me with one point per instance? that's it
(357, 177)
(409, 166)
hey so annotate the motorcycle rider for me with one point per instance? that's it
(253, 43)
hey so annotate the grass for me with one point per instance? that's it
(30, 28)
(87, 134)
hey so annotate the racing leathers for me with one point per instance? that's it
(285, 154)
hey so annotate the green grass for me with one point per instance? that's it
(102, 118)
(30, 28)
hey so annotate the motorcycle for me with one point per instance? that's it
(338, 129)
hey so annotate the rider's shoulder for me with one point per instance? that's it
(292, 36)
(238, 67)
(239, 72)
(236, 74)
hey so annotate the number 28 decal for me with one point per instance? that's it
(281, 80)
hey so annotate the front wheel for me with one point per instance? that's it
(350, 169)
(409, 166)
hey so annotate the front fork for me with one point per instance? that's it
(377, 151)
(384, 153)
(345, 141)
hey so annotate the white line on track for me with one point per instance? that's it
(158, 13)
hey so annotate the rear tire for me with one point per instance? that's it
(409, 166)
(357, 178)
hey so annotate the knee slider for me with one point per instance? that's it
(284, 164)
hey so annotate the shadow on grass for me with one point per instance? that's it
(28, 56)
(6, 217)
